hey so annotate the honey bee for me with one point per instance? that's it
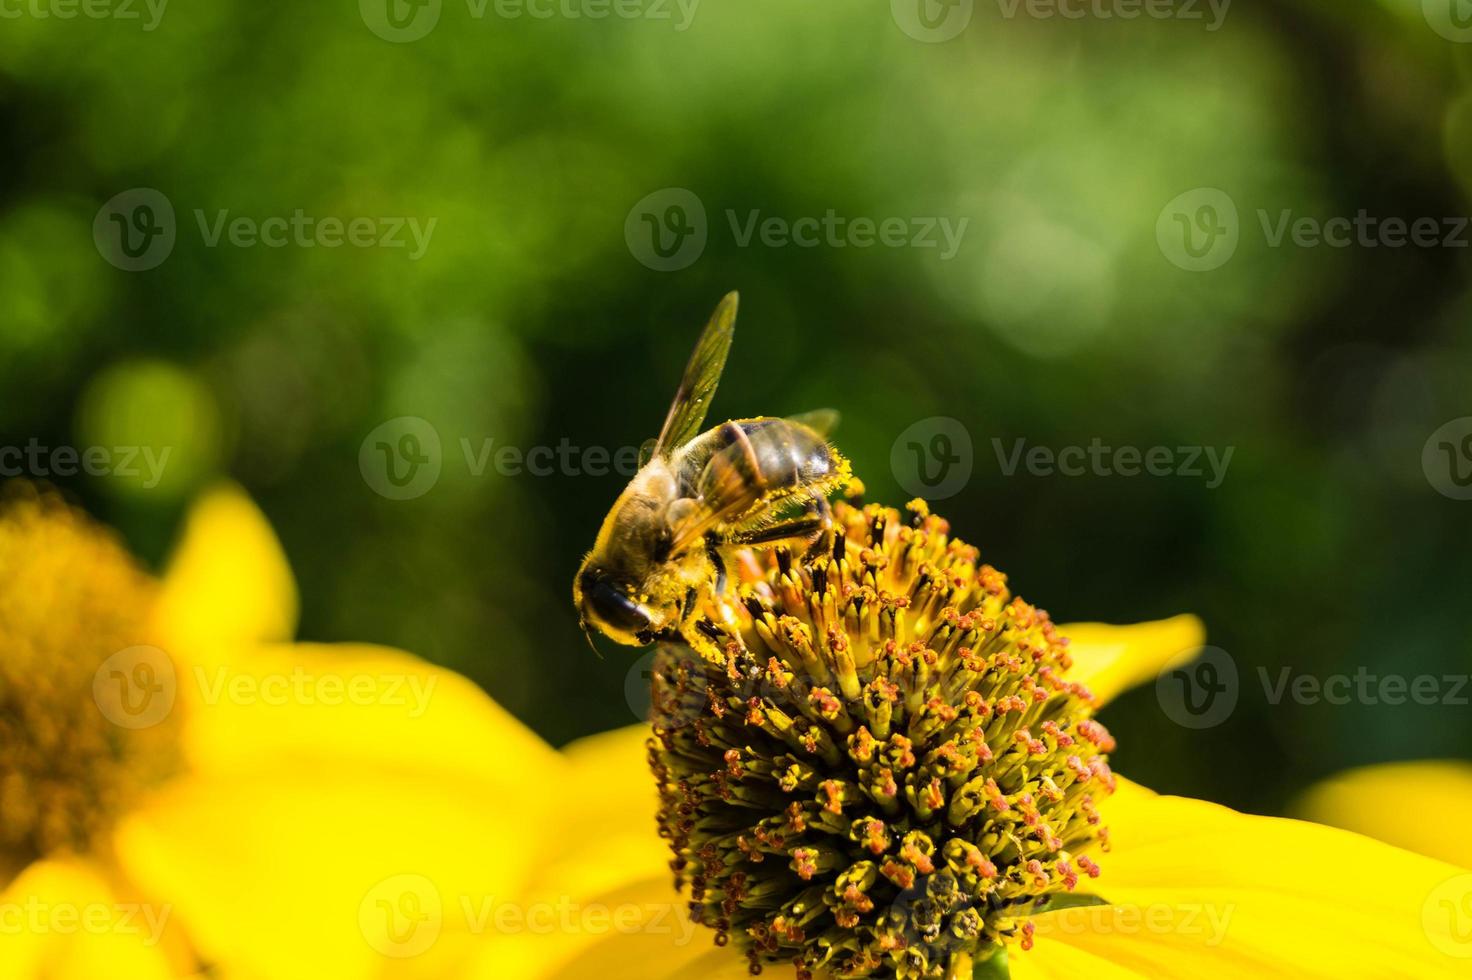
(748, 483)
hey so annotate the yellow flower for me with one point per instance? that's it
(807, 841)
(184, 792)
(1369, 801)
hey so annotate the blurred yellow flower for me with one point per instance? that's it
(1423, 806)
(184, 793)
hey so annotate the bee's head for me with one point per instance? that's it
(609, 607)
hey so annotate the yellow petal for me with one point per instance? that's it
(349, 811)
(310, 707)
(343, 875)
(655, 940)
(1200, 890)
(614, 805)
(1113, 659)
(612, 770)
(604, 864)
(61, 921)
(1424, 807)
(624, 917)
(713, 964)
(1050, 960)
(228, 580)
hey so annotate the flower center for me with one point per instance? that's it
(878, 769)
(70, 598)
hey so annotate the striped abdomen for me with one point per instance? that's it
(739, 464)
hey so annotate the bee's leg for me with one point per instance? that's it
(713, 552)
(802, 527)
(816, 518)
(687, 613)
(822, 542)
(700, 635)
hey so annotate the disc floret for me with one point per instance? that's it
(70, 597)
(877, 767)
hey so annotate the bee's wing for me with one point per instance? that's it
(821, 420)
(698, 386)
(731, 500)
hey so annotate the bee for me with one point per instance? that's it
(749, 483)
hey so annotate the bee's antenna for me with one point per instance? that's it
(588, 632)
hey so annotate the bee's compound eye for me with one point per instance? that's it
(620, 615)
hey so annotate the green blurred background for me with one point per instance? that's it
(530, 318)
